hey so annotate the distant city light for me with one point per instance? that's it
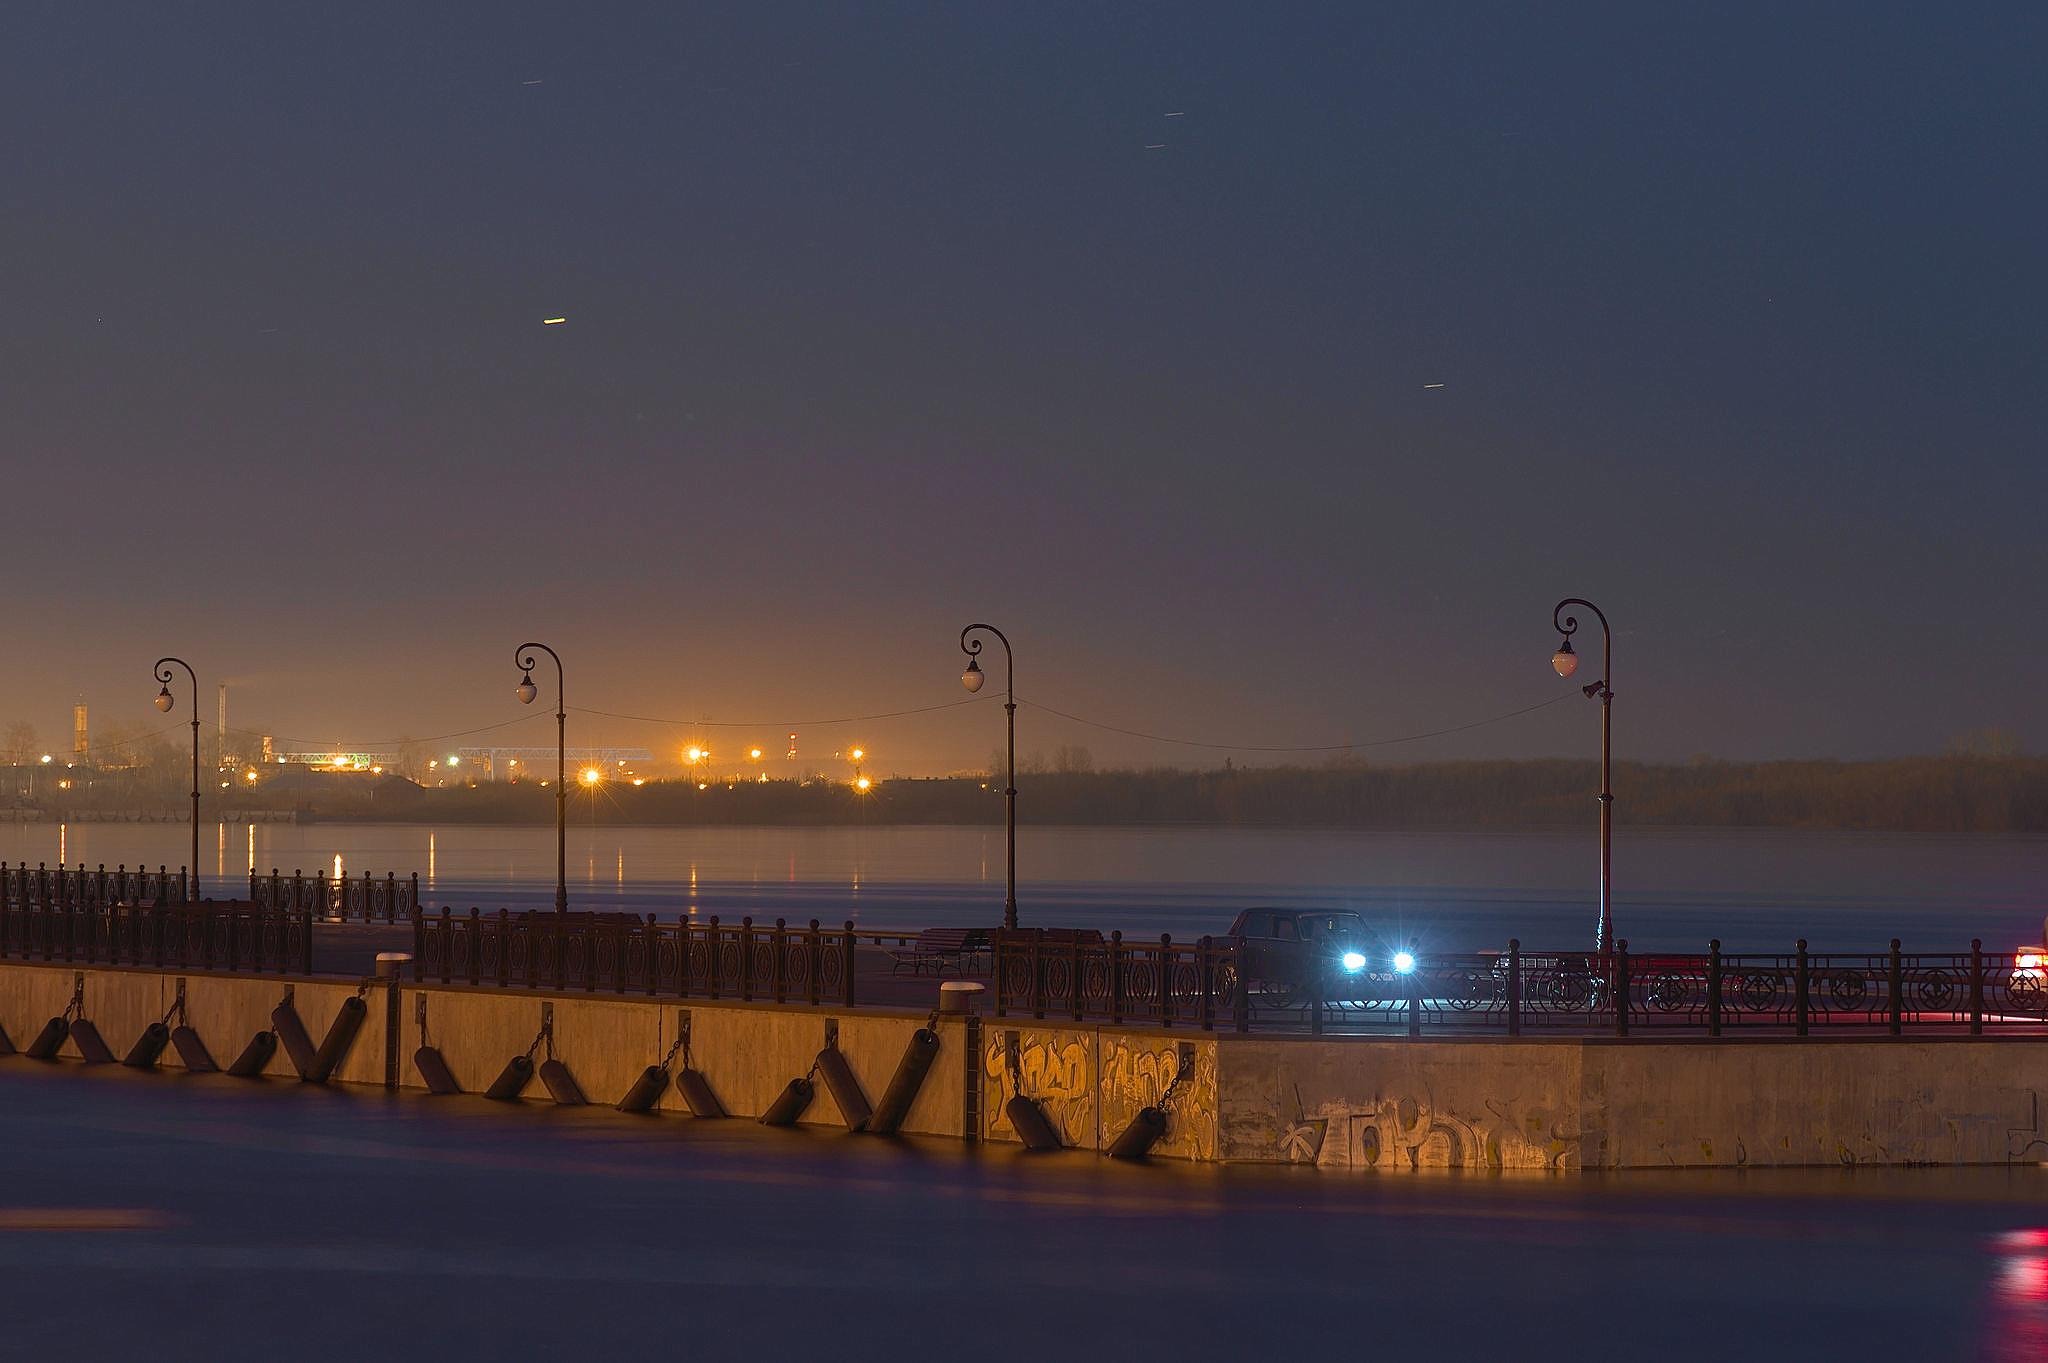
(590, 776)
(552, 321)
(862, 784)
(249, 776)
(754, 753)
(858, 754)
(639, 780)
(454, 761)
(46, 757)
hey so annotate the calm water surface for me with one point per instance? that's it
(1456, 891)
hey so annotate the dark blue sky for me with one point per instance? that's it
(885, 317)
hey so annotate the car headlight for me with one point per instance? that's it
(1404, 962)
(1353, 961)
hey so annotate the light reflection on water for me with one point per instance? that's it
(1755, 890)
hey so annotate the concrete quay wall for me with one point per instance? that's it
(1090, 1080)
(1389, 1104)
(1573, 1104)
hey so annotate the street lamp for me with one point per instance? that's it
(526, 691)
(972, 679)
(164, 702)
(1566, 662)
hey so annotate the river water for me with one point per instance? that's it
(1755, 890)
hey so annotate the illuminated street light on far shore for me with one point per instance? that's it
(591, 776)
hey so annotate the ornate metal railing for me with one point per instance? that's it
(23, 886)
(623, 953)
(359, 899)
(1083, 976)
(209, 935)
(366, 898)
(1223, 983)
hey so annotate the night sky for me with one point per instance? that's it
(882, 318)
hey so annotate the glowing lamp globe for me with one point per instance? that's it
(526, 690)
(163, 700)
(1564, 660)
(971, 678)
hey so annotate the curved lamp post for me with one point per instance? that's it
(164, 702)
(972, 679)
(1567, 662)
(526, 692)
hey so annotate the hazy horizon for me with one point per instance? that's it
(1266, 377)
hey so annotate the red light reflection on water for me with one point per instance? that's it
(2017, 1324)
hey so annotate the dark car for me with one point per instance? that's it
(1296, 955)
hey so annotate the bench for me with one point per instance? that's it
(939, 948)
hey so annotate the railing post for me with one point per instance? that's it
(306, 945)
(415, 892)
(1241, 1006)
(996, 970)
(1205, 968)
(711, 955)
(653, 938)
(476, 944)
(848, 963)
(1037, 975)
(1165, 979)
(1514, 986)
(1116, 975)
(1896, 993)
(779, 944)
(1621, 987)
(746, 958)
(816, 950)
(1074, 978)
(1714, 987)
(1802, 991)
(1976, 986)
(1415, 990)
(505, 947)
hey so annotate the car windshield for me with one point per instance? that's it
(1331, 925)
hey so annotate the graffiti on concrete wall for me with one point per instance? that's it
(1412, 1130)
(1052, 1069)
(1141, 1072)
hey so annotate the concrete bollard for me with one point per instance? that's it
(789, 1104)
(92, 1047)
(49, 1040)
(512, 1080)
(391, 964)
(959, 997)
(148, 1047)
(845, 1087)
(341, 1034)
(255, 1057)
(904, 1084)
(291, 1034)
(1031, 1124)
(434, 1071)
(192, 1051)
(561, 1084)
(646, 1090)
(1142, 1133)
(697, 1094)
